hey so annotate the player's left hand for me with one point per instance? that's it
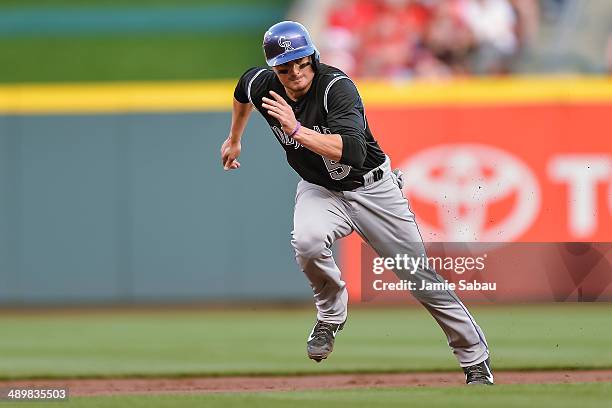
(280, 109)
(230, 151)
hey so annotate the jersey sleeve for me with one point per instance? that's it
(241, 93)
(345, 116)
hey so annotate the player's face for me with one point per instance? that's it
(296, 76)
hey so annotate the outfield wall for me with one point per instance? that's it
(136, 207)
(114, 192)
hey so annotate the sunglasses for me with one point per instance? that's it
(285, 71)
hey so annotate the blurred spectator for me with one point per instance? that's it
(389, 43)
(341, 38)
(528, 21)
(493, 23)
(427, 38)
(448, 41)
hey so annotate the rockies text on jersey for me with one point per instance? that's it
(332, 105)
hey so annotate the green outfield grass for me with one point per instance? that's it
(558, 396)
(204, 342)
(126, 56)
(136, 57)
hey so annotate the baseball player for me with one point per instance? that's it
(347, 185)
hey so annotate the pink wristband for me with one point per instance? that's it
(297, 129)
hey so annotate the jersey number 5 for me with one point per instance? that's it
(336, 170)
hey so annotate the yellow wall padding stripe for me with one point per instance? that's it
(491, 91)
(116, 97)
(217, 95)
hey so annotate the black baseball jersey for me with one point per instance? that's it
(332, 105)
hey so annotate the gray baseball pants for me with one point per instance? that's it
(380, 214)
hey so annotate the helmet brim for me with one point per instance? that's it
(291, 56)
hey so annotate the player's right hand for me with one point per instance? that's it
(230, 151)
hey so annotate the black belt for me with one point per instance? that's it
(373, 176)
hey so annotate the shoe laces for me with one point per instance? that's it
(324, 330)
(476, 372)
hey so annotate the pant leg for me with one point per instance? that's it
(320, 219)
(384, 220)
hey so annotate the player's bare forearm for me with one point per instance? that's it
(328, 146)
(240, 118)
(230, 150)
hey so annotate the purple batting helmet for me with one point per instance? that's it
(287, 41)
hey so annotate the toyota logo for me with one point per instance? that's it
(461, 183)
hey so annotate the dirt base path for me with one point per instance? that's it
(292, 383)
